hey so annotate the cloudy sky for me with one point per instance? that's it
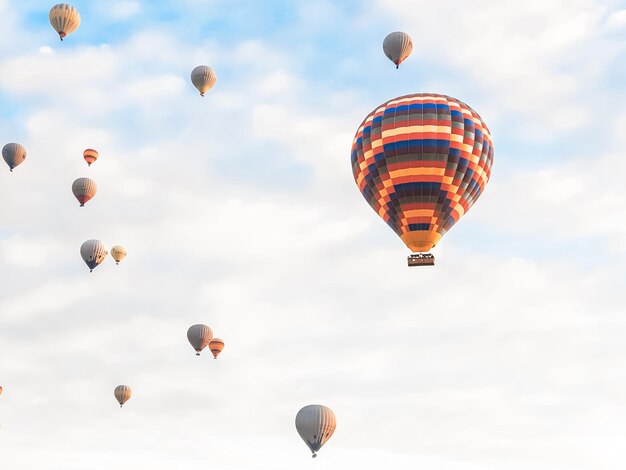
(239, 210)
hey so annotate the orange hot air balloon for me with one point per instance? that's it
(216, 346)
(90, 156)
(421, 161)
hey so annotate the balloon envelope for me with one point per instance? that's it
(64, 18)
(84, 189)
(203, 78)
(397, 46)
(93, 253)
(421, 161)
(13, 154)
(118, 252)
(90, 156)
(216, 346)
(315, 424)
(122, 394)
(199, 337)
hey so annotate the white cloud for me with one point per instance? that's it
(490, 361)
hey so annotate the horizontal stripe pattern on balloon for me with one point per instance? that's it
(421, 161)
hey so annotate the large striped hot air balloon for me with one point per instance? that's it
(421, 161)
(315, 424)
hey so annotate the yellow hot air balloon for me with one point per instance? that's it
(203, 78)
(90, 156)
(216, 346)
(65, 19)
(118, 252)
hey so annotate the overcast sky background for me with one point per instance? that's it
(239, 210)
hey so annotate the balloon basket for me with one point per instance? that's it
(421, 259)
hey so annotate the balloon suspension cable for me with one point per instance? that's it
(421, 259)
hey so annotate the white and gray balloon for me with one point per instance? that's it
(397, 46)
(93, 253)
(203, 78)
(315, 424)
(199, 337)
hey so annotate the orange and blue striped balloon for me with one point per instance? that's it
(421, 161)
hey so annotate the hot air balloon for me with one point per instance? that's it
(90, 156)
(315, 424)
(203, 78)
(118, 252)
(199, 337)
(421, 161)
(0, 390)
(84, 189)
(93, 252)
(64, 19)
(13, 154)
(216, 346)
(397, 46)
(122, 394)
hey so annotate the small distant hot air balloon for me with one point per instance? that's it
(13, 154)
(203, 78)
(122, 394)
(84, 189)
(93, 252)
(65, 19)
(397, 46)
(90, 156)
(0, 390)
(118, 252)
(199, 337)
(315, 424)
(421, 161)
(216, 346)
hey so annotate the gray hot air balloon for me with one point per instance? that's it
(93, 252)
(13, 154)
(315, 424)
(199, 336)
(84, 189)
(122, 394)
(203, 78)
(65, 19)
(397, 47)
